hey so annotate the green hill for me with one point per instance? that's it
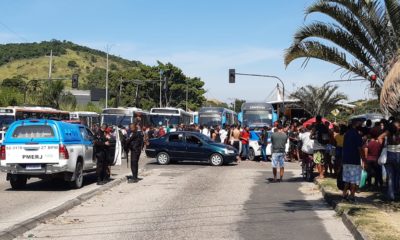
(21, 62)
(31, 61)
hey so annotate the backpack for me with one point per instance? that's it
(322, 134)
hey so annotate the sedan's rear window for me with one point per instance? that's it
(33, 131)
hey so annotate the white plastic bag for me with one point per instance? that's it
(118, 150)
(382, 157)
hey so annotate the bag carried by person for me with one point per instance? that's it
(363, 180)
(382, 157)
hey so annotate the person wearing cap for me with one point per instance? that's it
(351, 159)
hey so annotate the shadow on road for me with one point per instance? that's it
(55, 184)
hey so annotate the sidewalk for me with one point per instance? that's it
(370, 218)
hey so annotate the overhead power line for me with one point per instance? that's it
(13, 32)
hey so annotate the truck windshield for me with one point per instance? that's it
(34, 131)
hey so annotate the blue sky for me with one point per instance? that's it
(205, 38)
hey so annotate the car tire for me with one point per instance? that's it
(216, 159)
(163, 158)
(252, 154)
(18, 182)
(78, 181)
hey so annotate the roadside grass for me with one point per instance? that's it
(376, 219)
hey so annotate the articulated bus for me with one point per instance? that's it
(85, 118)
(10, 114)
(258, 114)
(212, 116)
(169, 117)
(124, 116)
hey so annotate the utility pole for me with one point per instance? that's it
(50, 62)
(161, 73)
(107, 78)
(187, 89)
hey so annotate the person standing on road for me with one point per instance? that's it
(351, 158)
(245, 137)
(135, 143)
(320, 134)
(223, 133)
(100, 145)
(264, 143)
(278, 140)
(235, 137)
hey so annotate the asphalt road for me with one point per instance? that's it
(40, 196)
(197, 201)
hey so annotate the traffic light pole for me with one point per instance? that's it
(269, 76)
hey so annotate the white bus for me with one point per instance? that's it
(85, 118)
(124, 116)
(169, 117)
(10, 114)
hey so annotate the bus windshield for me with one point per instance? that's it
(116, 120)
(257, 118)
(210, 119)
(160, 120)
(6, 120)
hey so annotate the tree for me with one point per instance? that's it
(72, 64)
(52, 93)
(318, 100)
(16, 82)
(362, 39)
(67, 101)
(10, 97)
(237, 106)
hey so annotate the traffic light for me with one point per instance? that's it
(232, 75)
(75, 81)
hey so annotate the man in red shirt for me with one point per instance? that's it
(245, 137)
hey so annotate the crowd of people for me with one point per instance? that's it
(336, 150)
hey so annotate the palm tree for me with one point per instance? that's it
(318, 100)
(363, 38)
(51, 94)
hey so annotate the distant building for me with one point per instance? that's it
(83, 97)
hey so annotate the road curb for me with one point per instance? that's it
(22, 227)
(350, 225)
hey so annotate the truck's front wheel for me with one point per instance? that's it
(78, 181)
(18, 181)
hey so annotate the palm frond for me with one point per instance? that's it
(317, 50)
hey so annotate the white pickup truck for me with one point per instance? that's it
(47, 149)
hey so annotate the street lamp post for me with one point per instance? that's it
(108, 47)
(161, 73)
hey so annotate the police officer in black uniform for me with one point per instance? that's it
(135, 143)
(101, 144)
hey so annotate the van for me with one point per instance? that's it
(47, 149)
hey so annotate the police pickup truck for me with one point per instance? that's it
(46, 149)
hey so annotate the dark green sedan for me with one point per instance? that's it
(190, 146)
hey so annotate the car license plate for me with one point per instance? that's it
(33, 167)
